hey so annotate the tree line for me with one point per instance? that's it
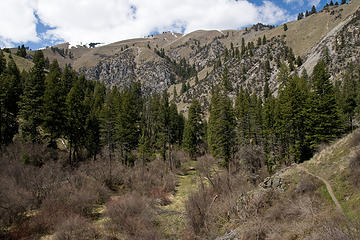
(60, 105)
(307, 112)
(62, 108)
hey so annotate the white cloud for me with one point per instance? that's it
(314, 2)
(17, 21)
(298, 2)
(114, 20)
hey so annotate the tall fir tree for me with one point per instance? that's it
(221, 127)
(75, 120)
(31, 103)
(325, 119)
(193, 132)
(10, 91)
(128, 122)
(53, 114)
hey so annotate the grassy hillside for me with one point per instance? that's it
(302, 35)
(21, 63)
(296, 203)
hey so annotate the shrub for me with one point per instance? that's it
(132, 215)
(307, 184)
(76, 195)
(151, 178)
(197, 209)
(354, 167)
(76, 227)
(250, 160)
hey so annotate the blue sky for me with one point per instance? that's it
(41, 23)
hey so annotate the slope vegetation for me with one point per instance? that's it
(317, 199)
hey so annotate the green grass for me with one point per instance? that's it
(173, 221)
(324, 194)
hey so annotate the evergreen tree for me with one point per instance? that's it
(183, 88)
(243, 48)
(31, 103)
(53, 113)
(285, 27)
(221, 126)
(331, 3)
(10, 91)
(128, 121)
(193, 131)
(264, 40)
(75, 120)
(93, 101)
(299, 61)
(67, 79)
(293, 114)
(2, 62)
(164, 123)
(258, 41)
(348, 95)
(21, 51)
(108, 119)
(325, 119)
(300, 16)
(313, 10)
(343, 2)
(225, 80)
(242, 111)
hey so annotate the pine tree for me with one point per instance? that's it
(285, 27)
(348, 95)
(225, 80)
(313, 10)
(193, 131)
(53, 113)
(299, 61)
(108, 119)
(2, 62)
(293, 110)
(242, 111)
(343, 2)
(10, 91)
(258, 41)
(67, 79)
(325, 119)
(93, 101)
(331, 3)
(75, 121)
(21, 52)
(128, 122)
(183, 88)
(243, 48)
(221, 126)
(31, 103)
(264, 40)
(300, 16)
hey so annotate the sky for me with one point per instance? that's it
(41, 23)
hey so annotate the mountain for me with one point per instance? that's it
(168, 60)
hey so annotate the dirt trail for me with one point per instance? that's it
(328, 187)
(172, 217)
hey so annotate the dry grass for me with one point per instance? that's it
(302, 35)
